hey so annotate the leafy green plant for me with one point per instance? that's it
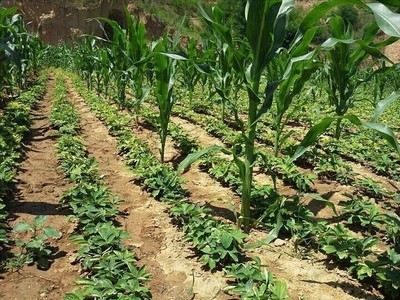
(91, 203)
(388, 273)
(364, 213)
(372, 188)
(253, 281)
(36, 248)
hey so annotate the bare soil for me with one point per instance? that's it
(37, 192)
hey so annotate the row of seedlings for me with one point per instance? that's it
(219, 245)
(14, 124)
(110, 270)
(283, 168)
(327, 165)
(336, 241)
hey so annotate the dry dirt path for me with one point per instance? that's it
(37, 192)
(175, 273)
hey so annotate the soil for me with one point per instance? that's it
(157, 243)
(37, 192)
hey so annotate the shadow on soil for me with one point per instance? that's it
(348, 288)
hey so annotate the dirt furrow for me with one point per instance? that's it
(175, 273)
(37, 192)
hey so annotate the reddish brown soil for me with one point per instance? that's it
(37, 192)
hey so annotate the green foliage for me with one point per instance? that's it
(363, 212)
(234, 15)
(19, 51)
(111, 269)
(36, 247)
(253, 281)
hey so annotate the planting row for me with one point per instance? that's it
(14, 124)
(218, 244)
(289, 217)
(109, 267)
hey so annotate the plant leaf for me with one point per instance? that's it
(49, 231)
(193, 157)
(327, 202)
(226, 240)
(383, 104)
(22, 227)
(387, 20)
(312, 136)
(383, 130)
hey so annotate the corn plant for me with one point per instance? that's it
(344, 55)
(138, 52)
(343, 59)
(189, 74)
(117, 44)
(164, 69)
(266, 26)
(19, 51)
(292, 83)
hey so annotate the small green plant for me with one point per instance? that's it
(360, 211)
(372, 189)
(36, 248)
(388, 273)
(253, 281)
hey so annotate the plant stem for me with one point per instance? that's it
(247, 179)
(338, 130)
(223, 110)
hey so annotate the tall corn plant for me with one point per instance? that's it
(164, 70)
(292, 80)
(19, 51)
(116, 43)
(138, 53)
(85, 59)
(344, 57)
(266, 21)
(266, 26)
(190, 76)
